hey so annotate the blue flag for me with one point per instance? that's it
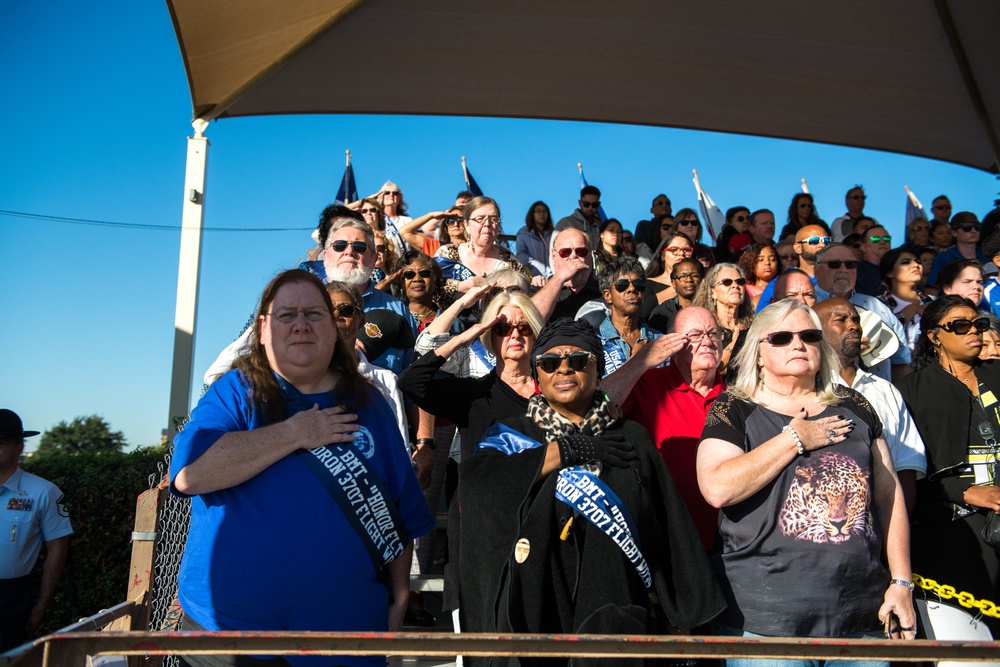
(583, 184)
(470, 182)
(348, 191)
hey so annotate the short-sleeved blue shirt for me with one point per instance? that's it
(31, 512)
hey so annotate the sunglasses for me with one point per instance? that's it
(783, 338)
(381, 248)
(566, 252)
(728, 282)
(622, 284)
(687, 223)
(576, 361)
(500, 290)
(741, 218)
(590, 204)
(423, 273)
(816, 240)
(879, 239)
(368, 210)
(451, 222)
(360, 247)
(345, 310)
(805, 206)
(686, 276)
(964, 326)
(967, 228)
(849, 264)
(503, 329)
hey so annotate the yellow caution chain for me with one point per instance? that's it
(967, 600)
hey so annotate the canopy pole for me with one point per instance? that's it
(186, 312)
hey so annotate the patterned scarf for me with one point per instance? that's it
(599, 418)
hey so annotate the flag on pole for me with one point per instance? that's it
(583, 183)
(470, 182)
(805, 188)
(914, 209)
(348, 191)
(712, 214)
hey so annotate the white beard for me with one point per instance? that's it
(355, 277)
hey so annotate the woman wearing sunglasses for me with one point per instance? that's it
(723, 293)
(674, 247)
(466, 264)
(572, 523)
(801, 213)
(803, 477)
(903, 273)
(686, 221)
(505, 336)
(952, 395)
(418, 284)
(622, 283)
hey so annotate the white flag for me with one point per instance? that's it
(914, 209)
(710, 213)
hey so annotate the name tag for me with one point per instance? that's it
(987, 399)
(20, 504)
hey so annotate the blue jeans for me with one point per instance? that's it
(729, 631)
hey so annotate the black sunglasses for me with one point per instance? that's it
(588, 204)
(964, 326)
(783, 338)
(577, 361)
(727, 282)
(622, 284)
(423, 273)
(503, 329)
(360, 247)
(849, 264)
(345, 310)
(967, 228)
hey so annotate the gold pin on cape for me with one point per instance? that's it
(521, 550)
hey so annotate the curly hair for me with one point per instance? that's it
(748, 260)
(262, 388)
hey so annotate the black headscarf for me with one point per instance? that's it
(566, 331)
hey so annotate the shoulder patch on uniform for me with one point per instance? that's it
(61, 507)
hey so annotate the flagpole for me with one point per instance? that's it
(805, 188)
(465, 172)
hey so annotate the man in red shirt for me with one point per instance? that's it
(672, 402)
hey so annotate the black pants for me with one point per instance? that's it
(15, 607)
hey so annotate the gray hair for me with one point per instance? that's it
(340, 223)
(748, 373)
(703, 297)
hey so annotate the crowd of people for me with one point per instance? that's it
(641, 431)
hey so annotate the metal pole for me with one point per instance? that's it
(188, 276)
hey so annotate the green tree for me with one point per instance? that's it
(83, 434)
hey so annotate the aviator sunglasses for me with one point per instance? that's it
(622, 284)
(783, 338)
(964, 326)
(566, 252)
(360, 247)
(550, 363)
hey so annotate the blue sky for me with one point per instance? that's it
(96, 115)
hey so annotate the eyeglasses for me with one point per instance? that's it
(423, 273)
(368, 210)
(666, 226)
(454, 221)
(566, 252)
(622, 284)
(360, 247)
(687, 223)
(503, 329)
(391, 193)
(686, 276)
(728, 282)
(964, 326)
(499, 290)
(576, 361)
(849, 264)
(288, 315)
(783, 338)
(816, 240)
(967, 228)
(678, 250)
(714, 335)
(880, 239)
(381, 248)
(486, 220)
(345, 310)
(590, 204)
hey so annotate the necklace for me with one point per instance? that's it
(421, 317)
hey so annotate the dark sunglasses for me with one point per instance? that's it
(587, 204)
(381, 248)
(454, 221)
(878, 239)
(500, 290)
(360, 247)
(783, 338)
(964, 326)
(345, 310)
(622, 284)
(423, 273)
(849, 264)
(728, 282)
(576, 361)
(686, 223)
(741, 218)
(503, 329)
(967, 228)
(566, 252)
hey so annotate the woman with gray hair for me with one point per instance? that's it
(799, 468)
(723, 292)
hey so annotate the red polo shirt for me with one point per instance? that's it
(674, 414)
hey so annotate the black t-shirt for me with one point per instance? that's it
(801, 557)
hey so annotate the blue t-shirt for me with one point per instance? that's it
(276, 552)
